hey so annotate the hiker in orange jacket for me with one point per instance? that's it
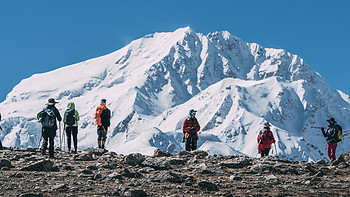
(102, 116)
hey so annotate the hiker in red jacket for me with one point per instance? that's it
(190, 128)
(265, 139)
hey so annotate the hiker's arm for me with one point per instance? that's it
(272, 138)
(197, 126)
(58, 115)
(324, 132)
(185, 128)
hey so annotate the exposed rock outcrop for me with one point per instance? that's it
(96, 173)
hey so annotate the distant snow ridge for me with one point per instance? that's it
(151, 84)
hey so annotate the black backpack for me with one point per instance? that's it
(49, 118)
(105, 117)
(70, 117)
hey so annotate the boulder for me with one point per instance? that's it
(157, 164)
(44, 165)
(31, 195)
(321, 162)
(339, 160)
(5, 163)
(85, 156)
(237, 163)
(135, 193)
(161, 153)
(208, 186)
(134, 159)
(200, 153)
(166, 176)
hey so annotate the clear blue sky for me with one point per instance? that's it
(39, 35)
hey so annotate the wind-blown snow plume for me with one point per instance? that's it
(151, 84)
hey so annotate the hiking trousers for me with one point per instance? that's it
(72, 131)
(331, 151)
(49, 135)
(191, 143)
(102, 133)
(265, 152)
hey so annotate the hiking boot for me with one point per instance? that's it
(43, 151)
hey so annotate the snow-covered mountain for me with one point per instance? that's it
(152, 83)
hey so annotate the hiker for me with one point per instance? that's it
(102, 116)
(48, 117)
(190, 128)
(0, 130)
(332, 137)
(265, 139)
(70, 120)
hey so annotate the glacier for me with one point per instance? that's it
(152, 83)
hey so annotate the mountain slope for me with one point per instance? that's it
(151, 84)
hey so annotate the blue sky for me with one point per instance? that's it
(38, 36)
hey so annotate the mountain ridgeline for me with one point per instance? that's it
(152, 83)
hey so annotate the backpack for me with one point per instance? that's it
(265, 136)
(105, 117)
(70, 117)
(48, 119)
(339, 133)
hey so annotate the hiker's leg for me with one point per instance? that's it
(75, 137)
(69, 138)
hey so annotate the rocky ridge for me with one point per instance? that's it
(25, 172)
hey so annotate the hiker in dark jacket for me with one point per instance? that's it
(190, 128)
(48, 117)
(1, 130)
(70, 120)
(265, 139)
(331, 136)
(102, 116)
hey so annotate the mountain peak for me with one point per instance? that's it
(152, 83)
(185, 30)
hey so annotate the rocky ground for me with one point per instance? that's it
(93, 173)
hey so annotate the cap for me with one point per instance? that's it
(192, 111)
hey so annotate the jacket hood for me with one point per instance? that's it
(71, 105)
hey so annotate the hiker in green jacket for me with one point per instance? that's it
(70, 119)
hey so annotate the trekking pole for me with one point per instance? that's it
(317, 127)
(59, 126)
(275, 149)
(39, 141)
(64, 137)
(325, 153)
(276, 154)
